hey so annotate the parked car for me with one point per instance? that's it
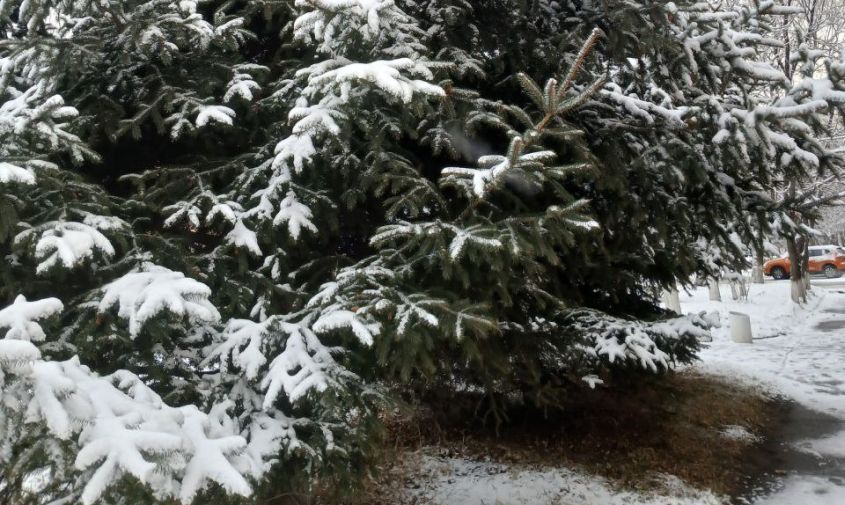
(824, 259)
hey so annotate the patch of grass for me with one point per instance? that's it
(628, 433)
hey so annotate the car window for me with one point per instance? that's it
(815, 252)
(839, 250)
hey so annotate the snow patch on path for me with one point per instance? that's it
(829, 446)
(802, 490)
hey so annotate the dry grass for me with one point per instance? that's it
(628, 434)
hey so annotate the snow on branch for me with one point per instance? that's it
(295, 215)
(121, 426)
(12, 173)
(642, 109)
(120, 423)
(35, 117)
(478, 236)
(242, 340)
(386, 76)
(242, 237)
(304, 364)
(396, 71)
(214, 113)
(66, 244)
(647, 345)
(328, 21)
(20, 317)
(495, 168)
(339, 319)
(152, 290)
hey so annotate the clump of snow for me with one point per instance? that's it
(295, 215)
(243, 237)
(66, 244)
(241, 85)
(104, 223)
(385, 75)
(346, 319)
(739, 434)
(214, 114)
(12, 173)
(20, 317)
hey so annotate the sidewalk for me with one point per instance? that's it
(799, 353)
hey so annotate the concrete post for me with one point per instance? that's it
(741, 328)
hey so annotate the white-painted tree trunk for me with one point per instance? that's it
(715, 293)
(672, 300)
(799, 294)
(757, 276)
(739, 291)
(742, 286)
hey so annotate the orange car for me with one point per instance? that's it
(824, 259)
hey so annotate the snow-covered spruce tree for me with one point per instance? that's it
(692, 131)
(469, 282)
(157, 88)
(70, 433)
(688, 135)
(235, 223)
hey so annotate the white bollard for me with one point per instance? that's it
(672, 301)
(741, 328)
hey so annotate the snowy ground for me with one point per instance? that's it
(450, 481)
(798, 352)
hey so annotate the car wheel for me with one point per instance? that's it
(830, 271)
(778, 273)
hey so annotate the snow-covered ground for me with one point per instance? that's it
(447, 481)
(798, 352)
